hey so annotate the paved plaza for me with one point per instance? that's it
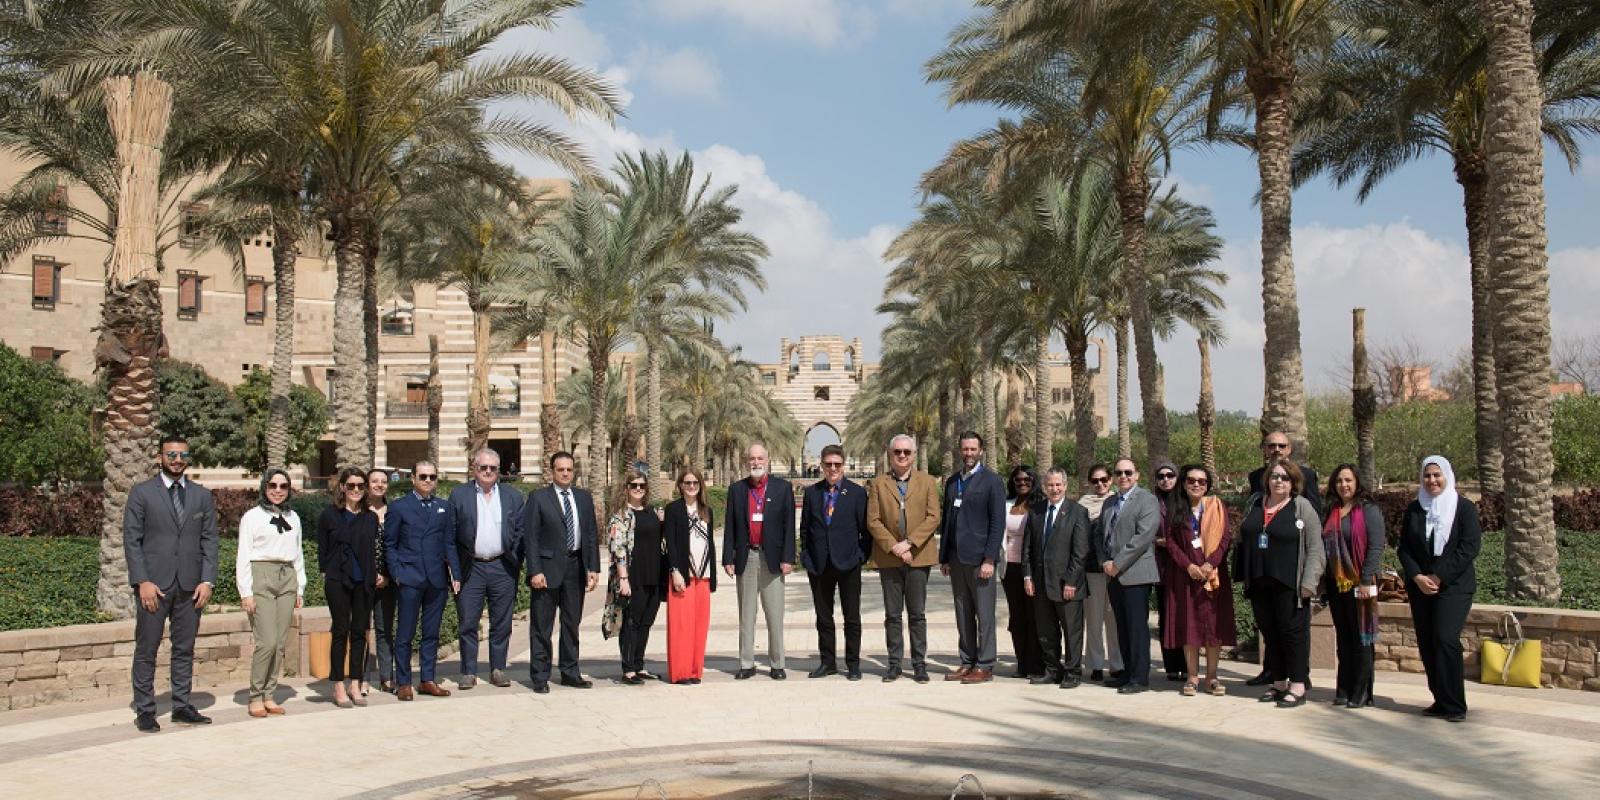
(822, 738)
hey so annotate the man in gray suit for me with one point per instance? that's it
(1125, 547)
(1055, 558)
(169, 537)
(489, 541)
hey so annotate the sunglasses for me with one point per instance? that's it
(1166, 476)
(351, 485)
(899, 452)
(181, 455)
(1278, 476)
(1277, 446)
(488, 468)
(690, 483)
(1100, 480)
(429, 477)
(1197, 481)
(636, 484)
(277, 485)
(833, 464)
(1125, 473)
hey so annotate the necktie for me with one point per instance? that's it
(1049, 523)
(1116, 505)
(566, 516)
(176, 491)
(833, 497)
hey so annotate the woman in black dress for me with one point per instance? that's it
(1439, 542)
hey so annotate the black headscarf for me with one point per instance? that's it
(279, 513)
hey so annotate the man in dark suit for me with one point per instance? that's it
(169, 537)
(419, 541)
(1125, 547)
(489, 541)
(834, 538)
(1274, 446)
(562, 548)
(974, 532)
(758, 551)
(1055, 557)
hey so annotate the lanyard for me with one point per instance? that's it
(758, 500)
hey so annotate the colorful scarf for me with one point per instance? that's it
(1345, 556)
(1213, 526)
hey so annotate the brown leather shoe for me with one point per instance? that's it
(978, 676)
(959, 674)
(404, 692)
(432, 689)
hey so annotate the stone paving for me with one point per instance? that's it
(761, 738)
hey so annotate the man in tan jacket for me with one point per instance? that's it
(902, 516)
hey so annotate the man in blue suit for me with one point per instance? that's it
(562, 548)
(835, 542)
(489, 541)
(974, 531)
(419, 537)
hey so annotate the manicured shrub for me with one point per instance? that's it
(45, 423)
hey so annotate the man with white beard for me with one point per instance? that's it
(759, 521)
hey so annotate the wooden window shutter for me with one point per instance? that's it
(45, 354)
(255, 299)
(46, 282)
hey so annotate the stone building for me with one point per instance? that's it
(816, 377)
(1099, 388)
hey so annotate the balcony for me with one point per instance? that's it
(505, 410)
(396, 409)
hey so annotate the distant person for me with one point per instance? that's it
(1168, 496)
(384, 598)
(271, 575)
(1352, 540)
(419, 540)
(637, 583)
(347, 555)
(1102, 655)
(903, 516)
(1276, 445)
(1439, 543)
(489, 546)
(833, 532)
(1022, 494)
(169, 538)
(1055, 556)
(692, 555)
(1280, 561)
(562, 547)
(758, 551)
(1198, 593)
(974, 532)
(1125, 543)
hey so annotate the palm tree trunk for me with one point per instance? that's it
(595, 473)
(1124, 429)
(369, 316)
(350, 388)
(1082, 403)
(139, 110)
(1271, 81)
(1206, 412)
(478, 412)
(652, 418)
(1133, 193)
(1042, 435)
(1363, 402)
(1518, 244)
(1472, 174)
(435, 398)
(947, 425)
(549, 412)
(285, 243)
(985, 409)
(1014, 416)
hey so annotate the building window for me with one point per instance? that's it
(47, 355)
(398, 322)
(821, 393)
(330, 376)
(190, 291)
(53, 220)
(190, 229)
(769, 379)
(46, 282)
(255, 300)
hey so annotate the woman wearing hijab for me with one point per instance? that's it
(638, 565)
(1172, 508)
(1022, 492)
(1198, 593)
(1352, 539)
(347, 552)
(271, 575)
(1280, 561)
(1439, 541)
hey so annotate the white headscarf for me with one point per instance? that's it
(1441, 510)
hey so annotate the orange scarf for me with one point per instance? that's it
(1213, 526)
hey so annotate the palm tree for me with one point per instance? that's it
(1518, 244)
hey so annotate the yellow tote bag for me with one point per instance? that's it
(1511, 660)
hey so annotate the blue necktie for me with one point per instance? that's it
(1116, 506)
(1049, 523)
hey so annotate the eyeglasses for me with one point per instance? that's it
(1197, 481)
(689, 483)
(1166, 476)
(429, 477)
(833, 464)
(900, 452)
(180, 455)
(277, 485)
(636, 484)
(1278, 477)
(1277, 445)
(1125, 473)
(1102, 479)
(352, 485)
(488, 467)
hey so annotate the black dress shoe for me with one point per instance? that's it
(1132, 688)
(1340, 699)
(1357, 704)
(1459, 716)
(189, 716)
(577, 683)
(892, 675)
(541, 688)
(694, 681)
(146, 723)
(853, 675)
(684, 682)
(920, 675)
(1433, 711)
(1291, 700)
(1118, 677)
(779, 674)
(1097, 676)
(746, 672)
(820, 672)
(633, 680)
(1175, 677)
(1261, 679)
(1040, 680)
(1071, 682)
(1115, 683)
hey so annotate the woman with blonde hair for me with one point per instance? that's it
(638, 565)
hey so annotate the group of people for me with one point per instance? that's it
(1078, 575)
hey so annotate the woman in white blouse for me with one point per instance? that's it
(692, 560)
(271, 574)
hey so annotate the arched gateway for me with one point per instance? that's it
(816, 377)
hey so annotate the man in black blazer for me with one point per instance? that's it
(759, 521)
(1055, 557)
(834, 538)
(974, 532)
(489, 540)
(169, 538)
(562, 547)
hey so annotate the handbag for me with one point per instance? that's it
(1511, 660)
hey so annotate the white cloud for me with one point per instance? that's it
(820, 22)
(685, 72)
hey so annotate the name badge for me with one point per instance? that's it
(441, 511)
(958, 502)
(757, 517)
(1195, 543)
(1262, 541)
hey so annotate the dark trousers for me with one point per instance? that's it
(1131, 605)
(487, 582)
(1438, 621)
(1021, 624)
(384, 602)
(1056, 620)
(148, 626)
(424, 604)
(848, 584)
(638, 617)
(1172, 659)
(974, 599)
(1286, 621)
(1355, 658)
(349, 608)
(568, 600)
(906, 588)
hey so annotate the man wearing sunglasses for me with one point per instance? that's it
(489, 544)
(834, 541)
(902, 516)
(1124, 541)
(169, 537)
(561, 543)
(1274, 446)
(419, 540)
